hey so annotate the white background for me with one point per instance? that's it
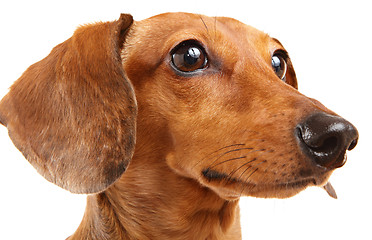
(330, 45)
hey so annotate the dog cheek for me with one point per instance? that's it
(178, 166)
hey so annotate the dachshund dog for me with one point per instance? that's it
(168, 121)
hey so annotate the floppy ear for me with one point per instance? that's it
(73, 114)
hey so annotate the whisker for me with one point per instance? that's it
(234, 150)
(268, 166)
(228, 160)
(253, 160)
(244, 186)
(215, 27)
(257, 139)
(211, 154)
(205, 25)
(234, 171)
(255, 166)
(232, 145)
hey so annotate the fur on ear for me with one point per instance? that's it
(73, 114)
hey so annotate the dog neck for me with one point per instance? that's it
(150, 201)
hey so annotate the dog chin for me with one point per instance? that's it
(234, 191)
(279, 192)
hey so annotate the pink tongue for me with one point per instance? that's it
(330, 190)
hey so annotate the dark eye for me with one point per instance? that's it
(189, 56)
(278, 61)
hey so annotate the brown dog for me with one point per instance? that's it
(204, 109)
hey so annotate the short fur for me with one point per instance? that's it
(109, 96)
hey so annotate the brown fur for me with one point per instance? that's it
(78, 114)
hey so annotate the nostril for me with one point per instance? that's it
(327, 146)
(318, 145)
(353, 144)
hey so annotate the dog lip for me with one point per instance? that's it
(213, 175)
(297, 184)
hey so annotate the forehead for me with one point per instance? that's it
(169, 28)
(227, 41)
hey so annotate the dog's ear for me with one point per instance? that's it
(73, 114)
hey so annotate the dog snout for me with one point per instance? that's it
(325, 138)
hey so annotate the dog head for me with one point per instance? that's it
(216, 99)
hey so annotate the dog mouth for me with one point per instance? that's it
(278, 189)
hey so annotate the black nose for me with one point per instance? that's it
(325, 139)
